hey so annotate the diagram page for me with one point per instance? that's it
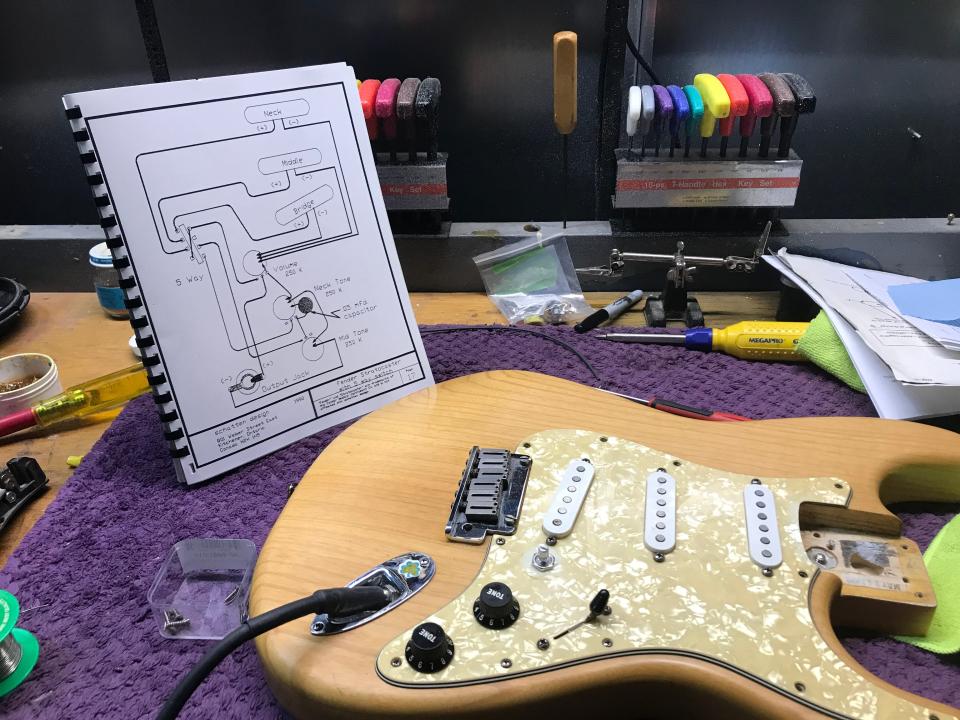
(252, 217)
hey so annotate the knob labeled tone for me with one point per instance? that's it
(429, 648)
(496, 607)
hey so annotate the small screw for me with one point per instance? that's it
(424, 562)
(543, 644)
(607, 610)
(802, 573)
(603, 438)
(659, 557)
(767, 572)
(396, 662)
(677, 463)
(290, 488)
(755, 481)
(506, 663)
(501, 541)
(913, 133)
(606, 642)
(526, 445)
(950, 218)
(551, 541)
(800, 686)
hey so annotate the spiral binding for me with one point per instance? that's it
(162, 396)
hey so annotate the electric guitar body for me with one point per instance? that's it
(726, 551)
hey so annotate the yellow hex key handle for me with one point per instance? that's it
(716, 105)
(565, 95)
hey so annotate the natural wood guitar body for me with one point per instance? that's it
(385, 485)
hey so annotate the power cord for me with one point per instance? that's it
(337, 602)
(510, 328)
(643, 63)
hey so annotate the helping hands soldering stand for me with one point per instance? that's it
(675, 303)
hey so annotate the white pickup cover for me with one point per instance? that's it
(763, 533)
(568, 499)
(660, 516)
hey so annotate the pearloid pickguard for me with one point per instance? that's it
(708, 599)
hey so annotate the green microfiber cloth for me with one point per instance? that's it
(942, 559)
(822, 346)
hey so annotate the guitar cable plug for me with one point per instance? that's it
(335, 602)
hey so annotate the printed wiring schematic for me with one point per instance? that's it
(256, 230)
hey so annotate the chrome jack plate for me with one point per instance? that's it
(406, 574)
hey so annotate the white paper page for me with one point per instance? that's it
(251, 210)
(877, 283)
(890, 398)
(913, 357)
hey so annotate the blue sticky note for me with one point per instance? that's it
(938, 300)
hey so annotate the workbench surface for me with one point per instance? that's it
(85, 343)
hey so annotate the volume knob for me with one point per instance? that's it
(496, 607)
(429, 648)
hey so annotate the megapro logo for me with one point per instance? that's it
(428, 635)
(766, 341)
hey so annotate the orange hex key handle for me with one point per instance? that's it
(368, 102)
(739, 105)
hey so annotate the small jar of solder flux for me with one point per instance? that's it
(106, 281)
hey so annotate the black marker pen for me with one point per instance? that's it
(610, 312)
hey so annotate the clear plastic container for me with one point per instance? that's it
(201, 591)
(27, 379)
(106, 281)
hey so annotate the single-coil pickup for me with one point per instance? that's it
(660, 514)
(568, 499)
(763, 533)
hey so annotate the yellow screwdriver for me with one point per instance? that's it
(102, 393)
(747, 340)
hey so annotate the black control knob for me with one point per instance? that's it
(429, 648)
(496, 607)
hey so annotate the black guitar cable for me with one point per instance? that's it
(336, 602)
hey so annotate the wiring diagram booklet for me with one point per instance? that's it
(251, 215)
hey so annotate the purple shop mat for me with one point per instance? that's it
(83, 572)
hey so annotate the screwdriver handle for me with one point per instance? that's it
(565, 81)
(752, 340)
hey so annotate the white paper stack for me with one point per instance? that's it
(910, 366)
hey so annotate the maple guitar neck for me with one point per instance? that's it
(699, 621)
